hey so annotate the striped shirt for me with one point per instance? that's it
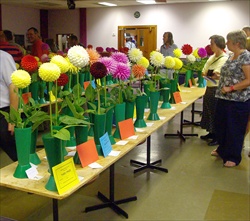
(13, 50)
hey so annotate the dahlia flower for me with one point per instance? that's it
(78, 56)
(61, 62)
(156, 59)
(209, 50)
(110, 64)
(93, 55)
(49, 72)
(191, 58)
(135, 54)
(187, 49)
(98, 70)
(29, 63)
(62, 80)
(122, 71)
(72, 69)
(21, 79)
(178, 64)
(138, 70)
(177, 52)
(195, 53)
(144, 62)
(202, 52)
(169, 62)
(120, 57)
(99, 49)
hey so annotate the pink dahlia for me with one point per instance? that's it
(122, 71)
(120, 57)
(202, 52)
(110, 64)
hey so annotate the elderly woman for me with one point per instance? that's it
(233, 106)
(212, 69)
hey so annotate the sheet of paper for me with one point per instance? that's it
(95, 165)
(105, 144)
(127, 128)
(114, 153)
(122, 142)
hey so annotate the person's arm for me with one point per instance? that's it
(241, 85)
(13, 103)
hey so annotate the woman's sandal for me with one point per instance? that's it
(214, 153)
(230, 164)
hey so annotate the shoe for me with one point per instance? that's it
(230, 164)
(213, 143)
(214, 153)
(206, 137)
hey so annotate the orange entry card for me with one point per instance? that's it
(86, 84)
(87, 152)
(190, 83)
(25, 97)
(177, 97)
(126, 128)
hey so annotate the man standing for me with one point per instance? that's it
(39, 48)
(8, 98)
(168, 45)
(13, 50)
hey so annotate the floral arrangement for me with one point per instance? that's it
(21, 79)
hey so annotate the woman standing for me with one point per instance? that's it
(233, 106)
(212, 69)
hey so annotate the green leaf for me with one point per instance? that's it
(62, 134)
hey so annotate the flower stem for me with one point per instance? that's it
(99, 105)
(50, 110)
(56, 114)
(105, 91)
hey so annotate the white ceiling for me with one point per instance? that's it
(62, 4)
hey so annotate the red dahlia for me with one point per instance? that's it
(62, 80)
(29, 63)
(98, 70)
(187, 49)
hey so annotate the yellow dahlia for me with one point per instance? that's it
(195, 53)
(21, 79)
(17, 66)
(178, 64)
(49, 72)
(177, 52)
(144, 62)
(169, 62)
(72, 69)
(135, 54)
(78, 56)
(61, 62)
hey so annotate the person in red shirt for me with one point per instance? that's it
(13, 50)
(39, 48)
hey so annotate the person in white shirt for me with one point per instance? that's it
(129, 44)
(8, 98)
(212, 69)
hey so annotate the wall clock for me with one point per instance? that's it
(137, 14)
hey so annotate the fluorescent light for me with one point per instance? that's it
(146, 1)
(106, 4)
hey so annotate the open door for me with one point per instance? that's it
(144, 37)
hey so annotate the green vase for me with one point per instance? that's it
(53, 148)
(99, 130)
(119, 116)
(147, 92)
(34, 88)
(109, 124)
(129, 109)
(91, 120)
(81, 79)
(23, 142)
(165, 94)
(154, 100)
(33, 155)
(81, 133)
(173, 89)
(188, 77)
(200, 80)
(140, 107)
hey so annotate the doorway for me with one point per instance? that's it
(144, 36)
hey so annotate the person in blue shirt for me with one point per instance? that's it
(168, 44)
